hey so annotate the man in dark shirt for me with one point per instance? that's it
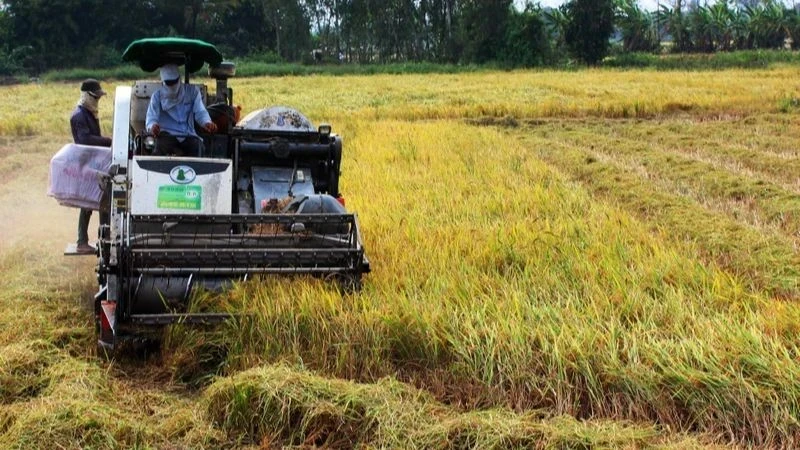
(86, 131)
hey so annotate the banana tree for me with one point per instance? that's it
(638, 28)
(557, 21)
(769, 24)
(676, 24)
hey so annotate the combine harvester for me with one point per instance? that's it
(262, 198)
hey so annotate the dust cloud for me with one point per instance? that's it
(31, 221)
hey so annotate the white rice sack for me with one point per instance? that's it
(75, 174)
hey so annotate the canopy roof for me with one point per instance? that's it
(152, 53)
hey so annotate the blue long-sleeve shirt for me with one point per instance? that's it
(86, 128)
(178, 120)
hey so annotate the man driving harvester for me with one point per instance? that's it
(172, 113)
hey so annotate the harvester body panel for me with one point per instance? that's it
(171, 185)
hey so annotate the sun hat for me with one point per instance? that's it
(92, 86)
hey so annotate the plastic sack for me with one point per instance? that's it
(76, 172)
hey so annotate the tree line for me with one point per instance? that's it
(39, 35)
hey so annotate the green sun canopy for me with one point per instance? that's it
(152, 53)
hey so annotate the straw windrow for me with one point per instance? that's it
(294, 407)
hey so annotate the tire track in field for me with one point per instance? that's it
(770, 158)
(744, 209)
(751, 200)
(762, 262)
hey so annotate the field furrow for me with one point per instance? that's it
(753, 200)
(762, 145)
(761, 261)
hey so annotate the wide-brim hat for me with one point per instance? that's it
(93, 87)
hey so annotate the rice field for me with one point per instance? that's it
(592, 259)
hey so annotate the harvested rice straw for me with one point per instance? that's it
(271, 206)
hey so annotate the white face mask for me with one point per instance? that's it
(89, 102)
(171, 95)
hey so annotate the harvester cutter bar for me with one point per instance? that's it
(247, 219)
(224, 271)
(247, 243)
(270, 240)
(189, 318)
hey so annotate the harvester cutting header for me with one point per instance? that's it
(261, 196)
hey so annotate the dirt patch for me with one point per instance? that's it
(488, 121)
(27, 214)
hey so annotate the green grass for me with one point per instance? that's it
(743, 59)
(255, 68)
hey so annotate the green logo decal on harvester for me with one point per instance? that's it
(180, 197)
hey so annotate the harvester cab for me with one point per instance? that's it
(261, 197)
